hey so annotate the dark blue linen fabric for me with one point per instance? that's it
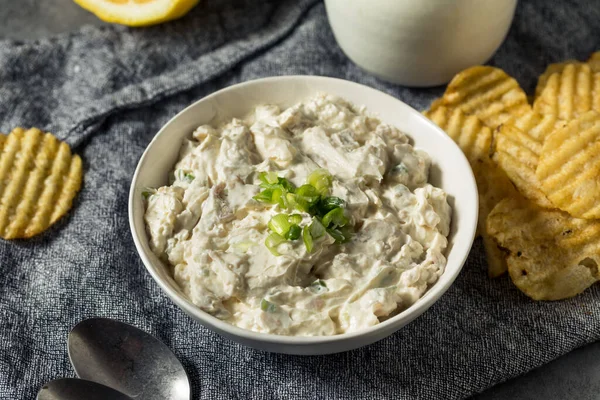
(108, 90)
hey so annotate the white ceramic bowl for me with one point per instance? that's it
(450, 171)
(419, 42)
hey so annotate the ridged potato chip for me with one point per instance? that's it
(39, 179)
(569, 167)
(594, 61)
(551, 69)
(474, 138)
(439, 102)
(550, 255)
(570, 93)
(488, 93)
(495, 256)
(471, 135)
(493, 186)
(517, 153)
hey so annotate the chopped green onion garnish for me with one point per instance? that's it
(321, 180)
(307, 238)
(328, 203)
(294, 232)
(317, 229)
(307, 191)
(348, 232)
(270, 180)
(268, 177)
(277, 197)
(279, 224)
(181, 175)
(313, 231)
(319, 282)
(146, 194)
(342, 235)
(267, 306)
(306, 197)
(297, 202)
(291, 200)
(337, 235)
(295, 219)
(327, 211)
(275, 189)
(335, 218)
(266, 196)
(287, 185)
(272, 241)
(188, 177)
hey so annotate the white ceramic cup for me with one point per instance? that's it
(419, 42)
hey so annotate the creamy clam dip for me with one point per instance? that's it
(211, 231)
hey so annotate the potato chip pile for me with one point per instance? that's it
(537, 169)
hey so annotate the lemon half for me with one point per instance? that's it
(138, 12)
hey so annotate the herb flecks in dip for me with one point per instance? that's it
(211, 227)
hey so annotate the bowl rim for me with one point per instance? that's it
(407, 315)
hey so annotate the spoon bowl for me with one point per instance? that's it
(127, 359)
(77, 389)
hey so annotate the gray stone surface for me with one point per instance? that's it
(575, 375)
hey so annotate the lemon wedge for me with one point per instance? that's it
(137, 12)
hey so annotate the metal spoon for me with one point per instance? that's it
(77, 389)
(127, 359)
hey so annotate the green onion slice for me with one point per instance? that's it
(287, 185)
(328, 203)
(269, 177)
(270, 180)
(317, 229)
(297, 202)
(181, 175)
(337, 235)
(335, 218)
(341, 235)
(321, 180)
(294, 232)
(266, 196)
(272, 241)
(295, 219)
(189, 177)
(267, 306)
(306, 197)
(279, 224)
(307, 191)
(277, 197)
(307, 238)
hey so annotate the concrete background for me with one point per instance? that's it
(573, 376)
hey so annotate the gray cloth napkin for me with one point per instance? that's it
(108, 90)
